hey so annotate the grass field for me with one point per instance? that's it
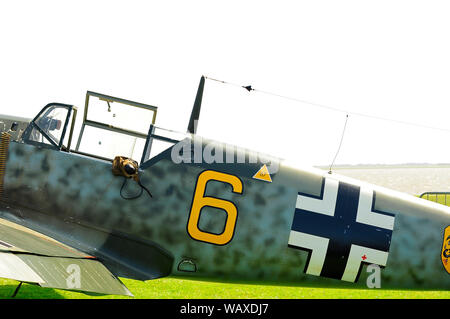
(443, 199)
(181, 288)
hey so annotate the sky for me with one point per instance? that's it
(387, 59)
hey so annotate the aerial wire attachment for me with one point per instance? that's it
(340, 144)
(332, 108)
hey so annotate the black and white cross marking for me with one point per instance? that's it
(341, 230)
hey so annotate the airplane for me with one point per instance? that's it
(134, 200)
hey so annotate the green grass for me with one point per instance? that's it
(443, 199)
(182, 288)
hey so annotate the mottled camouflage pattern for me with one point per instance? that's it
(75, 199)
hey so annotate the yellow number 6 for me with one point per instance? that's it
(201, 201)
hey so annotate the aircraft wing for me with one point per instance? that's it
(29, 256)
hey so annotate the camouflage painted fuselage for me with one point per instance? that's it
(76, 199)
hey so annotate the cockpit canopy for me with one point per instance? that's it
(111, 127)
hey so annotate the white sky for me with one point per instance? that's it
(386, 58)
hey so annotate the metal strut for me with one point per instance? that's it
(17, 290)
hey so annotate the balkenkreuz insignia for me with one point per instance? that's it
(341, 230)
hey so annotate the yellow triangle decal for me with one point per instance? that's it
(263, 174)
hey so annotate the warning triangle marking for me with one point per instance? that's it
(263, 174)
